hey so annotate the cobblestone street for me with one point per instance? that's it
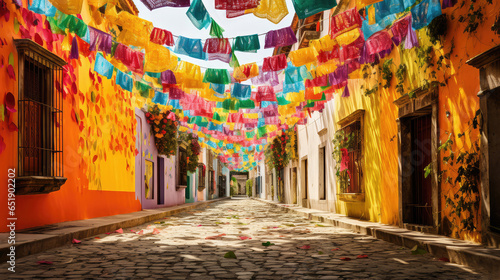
(192, 245)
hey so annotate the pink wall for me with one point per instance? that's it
(147, 151)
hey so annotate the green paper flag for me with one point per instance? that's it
(249, 43)
(234, 60)
(216, 30)
(217, 76)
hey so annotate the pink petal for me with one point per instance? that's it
(76, 241)
(245, 237)
(10, 101)
(156, 231)
(44, 262)
(12, 127)
(305, 247)
(2, 144)
(10, 71)
(120, 230)
(345, 259)
(108, 233)
(140, 232)
(336, 249)
(362, 257)
(133, 231)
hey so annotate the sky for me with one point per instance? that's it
(176, 21)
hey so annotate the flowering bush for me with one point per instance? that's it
(164, 128)
(279, 154)
(193, 150)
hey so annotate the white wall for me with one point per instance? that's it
(318, 132)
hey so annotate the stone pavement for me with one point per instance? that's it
(192, 245)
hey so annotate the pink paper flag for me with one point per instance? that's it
(120, 230)
(76, 241)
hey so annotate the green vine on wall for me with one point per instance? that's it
(401, 77)
(387, 73)
(463, 196)
(473, 18)
(496, 25)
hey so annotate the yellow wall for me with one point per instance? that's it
(344, 106)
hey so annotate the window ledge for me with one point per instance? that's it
(351, 197)
(29, 185)
(180, 187)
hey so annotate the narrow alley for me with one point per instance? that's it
(267, 244)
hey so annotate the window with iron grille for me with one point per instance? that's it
(40, 116)
(350, 179)
(201, 175)
(182, 167)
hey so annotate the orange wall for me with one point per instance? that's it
(98, 152)
(458, 97)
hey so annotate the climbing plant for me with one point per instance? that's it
(164, 128)
(283, 148)
(279, 156)
(461, 171)
(401, 76)
(193, 150)
(474, 16)
(387, 73)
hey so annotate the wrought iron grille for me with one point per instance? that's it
(40, 116)
(352, 181)
(182, 167)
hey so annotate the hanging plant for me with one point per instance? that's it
(164, 129)
(438, 28)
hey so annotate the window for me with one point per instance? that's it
(201, 175)
(350, 145)
(350, 179)
(322, 173)
(183, 180)
(40, 116)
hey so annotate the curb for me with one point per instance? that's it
(457, 251)
(63, 233)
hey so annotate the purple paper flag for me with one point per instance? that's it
(346, 92)
(155, 4)
(74, 54)
(280, 37)
(168, 78)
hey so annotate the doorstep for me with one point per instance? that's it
(457, 251)
(35, 240)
